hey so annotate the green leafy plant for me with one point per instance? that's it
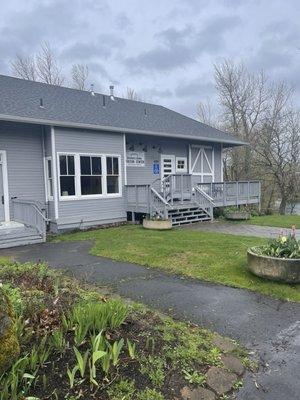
(71, 375)
(149, 394)
(194, 377)
(153, 367)
(81, 361)
(115, 351)
(122, 390)
(131, 349)
(282, 247)
(58, 340)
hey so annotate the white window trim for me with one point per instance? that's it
(78, 196)
(49, 198)
(5, 185)
(183, 171)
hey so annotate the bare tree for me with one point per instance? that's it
(80, 73)
(205, 113)
(243, 98)
(48, 70)
(24, 67)
(131, 94)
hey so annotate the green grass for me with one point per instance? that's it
(209, 256)
(280, 221)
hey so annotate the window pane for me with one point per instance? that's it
(109, 165)
(67, 186)
(116, 165)
(49, 169)
(91, 185)
(85, 165)
(71, 168)
(112, 184)
(96, 166)
(63, 165)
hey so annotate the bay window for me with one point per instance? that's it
(89, 176)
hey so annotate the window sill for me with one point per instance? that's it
(90, 197)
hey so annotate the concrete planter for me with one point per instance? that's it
(238, 215)
(275, 269)
(160, 225)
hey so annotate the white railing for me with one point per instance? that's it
(177, 187)
(204, 201)
(30, 213)
(232, 193)
(158, 205)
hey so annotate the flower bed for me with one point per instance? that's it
(157, 224)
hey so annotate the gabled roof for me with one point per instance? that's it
(20, 100)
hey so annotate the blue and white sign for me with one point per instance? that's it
(155, 167)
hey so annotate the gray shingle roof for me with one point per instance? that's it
(20, 100)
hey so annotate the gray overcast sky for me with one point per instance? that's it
(164, 49)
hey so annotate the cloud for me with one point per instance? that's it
(197, 87)
(181, 47)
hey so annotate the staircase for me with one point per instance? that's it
(187, 214)
(19, 235)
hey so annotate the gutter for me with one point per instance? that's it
(64, 124)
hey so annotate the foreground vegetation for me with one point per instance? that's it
(77, 344)
(208, 256)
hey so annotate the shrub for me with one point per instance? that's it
(150, 394)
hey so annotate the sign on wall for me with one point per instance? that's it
(155, 167)
(135, 158)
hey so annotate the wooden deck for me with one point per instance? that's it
(176, 193)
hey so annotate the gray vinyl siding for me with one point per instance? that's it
(89, 212)
(23, 145)
(155, 147)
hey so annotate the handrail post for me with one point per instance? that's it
(237, 193)
(224, 194)
(171, 189)
(136, 198)
(148, 198)
(248, 194)
(181, 184)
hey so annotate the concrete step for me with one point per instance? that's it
(19, 237)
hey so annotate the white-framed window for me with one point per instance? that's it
(91, 178)
(181, 165)
(67, 181)
(86, 176)
(112, 174)
(49, 178)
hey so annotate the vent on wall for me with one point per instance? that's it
(41, 103)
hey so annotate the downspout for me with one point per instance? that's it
(54, 172)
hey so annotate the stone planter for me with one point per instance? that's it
(160, 225)
(275, 269)
(238, 215)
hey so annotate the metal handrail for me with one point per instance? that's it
(160, 197)
(207, 196)
(33, 203)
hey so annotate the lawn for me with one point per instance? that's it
(277, 220)
(68, 341)
(208, 256)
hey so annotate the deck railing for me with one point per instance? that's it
(164, 193)
(232, 193)
(30, 213)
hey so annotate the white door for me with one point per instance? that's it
(202, 163)
(167, 165)
(4, 206)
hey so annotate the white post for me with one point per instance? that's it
(54, 173)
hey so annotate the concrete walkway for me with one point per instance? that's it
(240, 229)
(269, 327)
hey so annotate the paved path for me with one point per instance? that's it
(239, 229)
(270, 327)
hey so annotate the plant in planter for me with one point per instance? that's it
(156, 221)
(235, 213)
(278, 260)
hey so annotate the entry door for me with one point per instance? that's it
(2, 210)
(167, 165)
